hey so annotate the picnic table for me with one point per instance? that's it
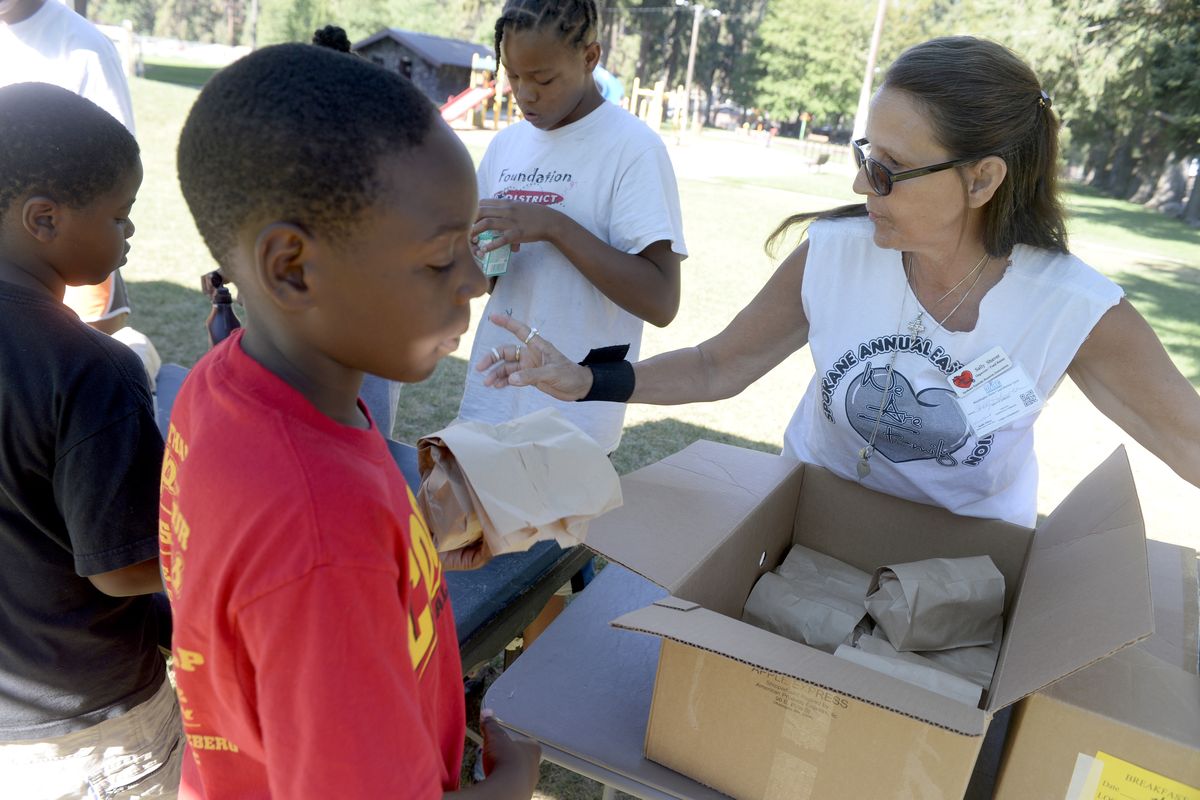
(583, 691)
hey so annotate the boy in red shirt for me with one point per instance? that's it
(315, 650)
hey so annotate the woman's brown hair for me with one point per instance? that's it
(982, 100)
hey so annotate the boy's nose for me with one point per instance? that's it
(475, 284)
(130, 228)
(474, 281)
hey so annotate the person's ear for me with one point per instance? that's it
(282, 251)
(591, 56)
(40, 217)
(985, 177)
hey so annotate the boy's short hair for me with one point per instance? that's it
(294, 133)
(55, 143)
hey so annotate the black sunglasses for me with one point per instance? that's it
(881, 178)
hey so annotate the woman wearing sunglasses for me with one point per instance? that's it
(942, 312)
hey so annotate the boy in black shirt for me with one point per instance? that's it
(85, 708)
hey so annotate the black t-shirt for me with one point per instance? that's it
(80, 457)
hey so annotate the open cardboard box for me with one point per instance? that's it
(1140, 707)
(755, 715)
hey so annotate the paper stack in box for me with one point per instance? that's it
(935, 623)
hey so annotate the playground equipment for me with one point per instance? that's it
(646, 104)
(466, 101)
(488, 88)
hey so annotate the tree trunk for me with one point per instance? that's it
(1169, 195)
(672, 43)
(1097, 164)
(613, 34)
(1122, 168)
(80, 7)
(1191, 212)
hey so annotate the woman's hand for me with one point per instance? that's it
(533, 361)
(514, 223)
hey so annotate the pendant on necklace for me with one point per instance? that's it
(863, 467)
(916, 327)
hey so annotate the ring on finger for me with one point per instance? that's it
(496, 354)
(517, 356)
(532, 333)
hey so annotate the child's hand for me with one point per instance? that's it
(473, 556)
(533, 361)
(515, 222)
(513, 757)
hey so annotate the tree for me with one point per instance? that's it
(114, 12)
(809, 56)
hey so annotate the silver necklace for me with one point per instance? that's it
(916, 327)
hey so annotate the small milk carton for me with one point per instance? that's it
(493, 262)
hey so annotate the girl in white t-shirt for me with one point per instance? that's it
(585, 195)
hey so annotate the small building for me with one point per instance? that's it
(440, 67)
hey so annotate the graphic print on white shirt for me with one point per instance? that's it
(856, 297)
(915, 423)
(912, 425)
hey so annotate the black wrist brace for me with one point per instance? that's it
(612, 375)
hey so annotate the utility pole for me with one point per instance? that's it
(864, 97)
(697, 11)
(253, 25)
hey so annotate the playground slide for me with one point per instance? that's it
(464, 101)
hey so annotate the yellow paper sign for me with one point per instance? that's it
(1120, 780)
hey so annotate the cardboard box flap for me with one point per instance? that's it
(678, 510)
(1174, 590)
(1138, 689)
(1084, 591)
(762, 650)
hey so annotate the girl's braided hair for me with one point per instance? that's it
(576, 21)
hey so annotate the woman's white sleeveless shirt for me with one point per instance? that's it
(856, 298)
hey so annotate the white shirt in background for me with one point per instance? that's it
(58, 46)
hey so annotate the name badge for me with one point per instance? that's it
(992, 391)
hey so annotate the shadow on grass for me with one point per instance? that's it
(173, 316)
(182, 74)
(651, 441)
(1168, 295)
(1129, 216)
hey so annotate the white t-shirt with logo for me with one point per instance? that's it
(858, 301)
(55, 45)
(611, 174)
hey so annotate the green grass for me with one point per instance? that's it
(168, 256)
(178, 72)
(1095, 218)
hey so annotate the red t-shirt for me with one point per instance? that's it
(315, 650)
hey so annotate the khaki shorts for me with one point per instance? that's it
(135, 755)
